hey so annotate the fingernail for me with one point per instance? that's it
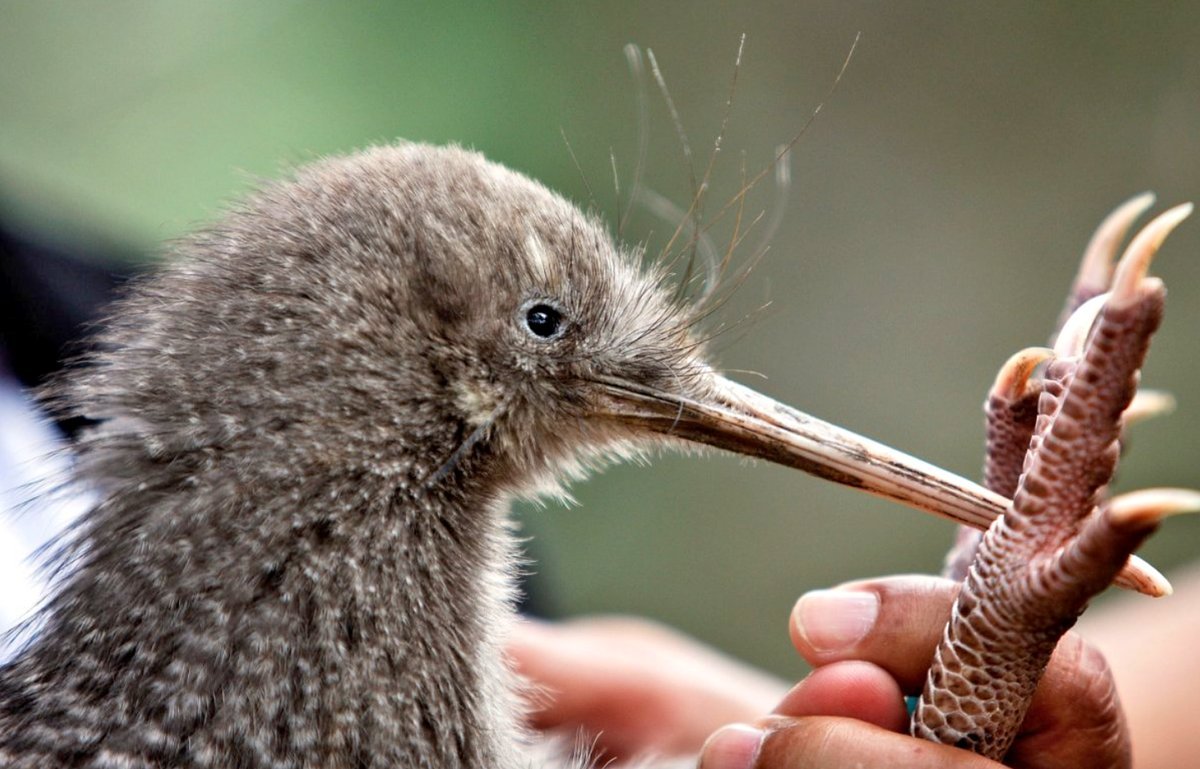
(732, 747)
(832, 620)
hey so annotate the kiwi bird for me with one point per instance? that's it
(308, 427)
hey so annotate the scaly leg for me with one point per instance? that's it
(1053, 444)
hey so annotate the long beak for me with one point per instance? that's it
(735, 418)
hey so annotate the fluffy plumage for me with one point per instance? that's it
(309, 426)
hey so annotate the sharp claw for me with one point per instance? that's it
(1014, 374)
(1139, 576)
(1096, 268)
(1149, 506)
(1073, 336)
(1135, 263)
(1148, 404)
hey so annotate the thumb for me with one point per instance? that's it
(895, 623)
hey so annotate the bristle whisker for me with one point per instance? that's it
(579, 168)
(633, 56)
(787, 147)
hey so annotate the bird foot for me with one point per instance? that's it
(1052, 446)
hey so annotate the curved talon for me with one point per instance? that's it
(1073, 336)
(1096, 268)
(1147, 404)
(1135, 263)
(1139, 576)
(1014, 374)
(1148, 507)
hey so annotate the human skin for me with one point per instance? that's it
(1151, 647)
(640, 688)
(632, 687)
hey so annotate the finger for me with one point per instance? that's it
(1074, 719)
(576, 686)
(620, 654)
(638, 687)
(545, 660)
(851, 690)
(828, 743)
(894, 622)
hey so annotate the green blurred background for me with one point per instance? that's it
(938, 207)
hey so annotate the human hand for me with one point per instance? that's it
(635, 687)
(870, 643)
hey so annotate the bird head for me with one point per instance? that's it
(422, 314)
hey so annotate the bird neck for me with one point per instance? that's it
(326, 624)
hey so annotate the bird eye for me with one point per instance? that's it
(544, 321)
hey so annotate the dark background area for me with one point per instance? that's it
(938, 208)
